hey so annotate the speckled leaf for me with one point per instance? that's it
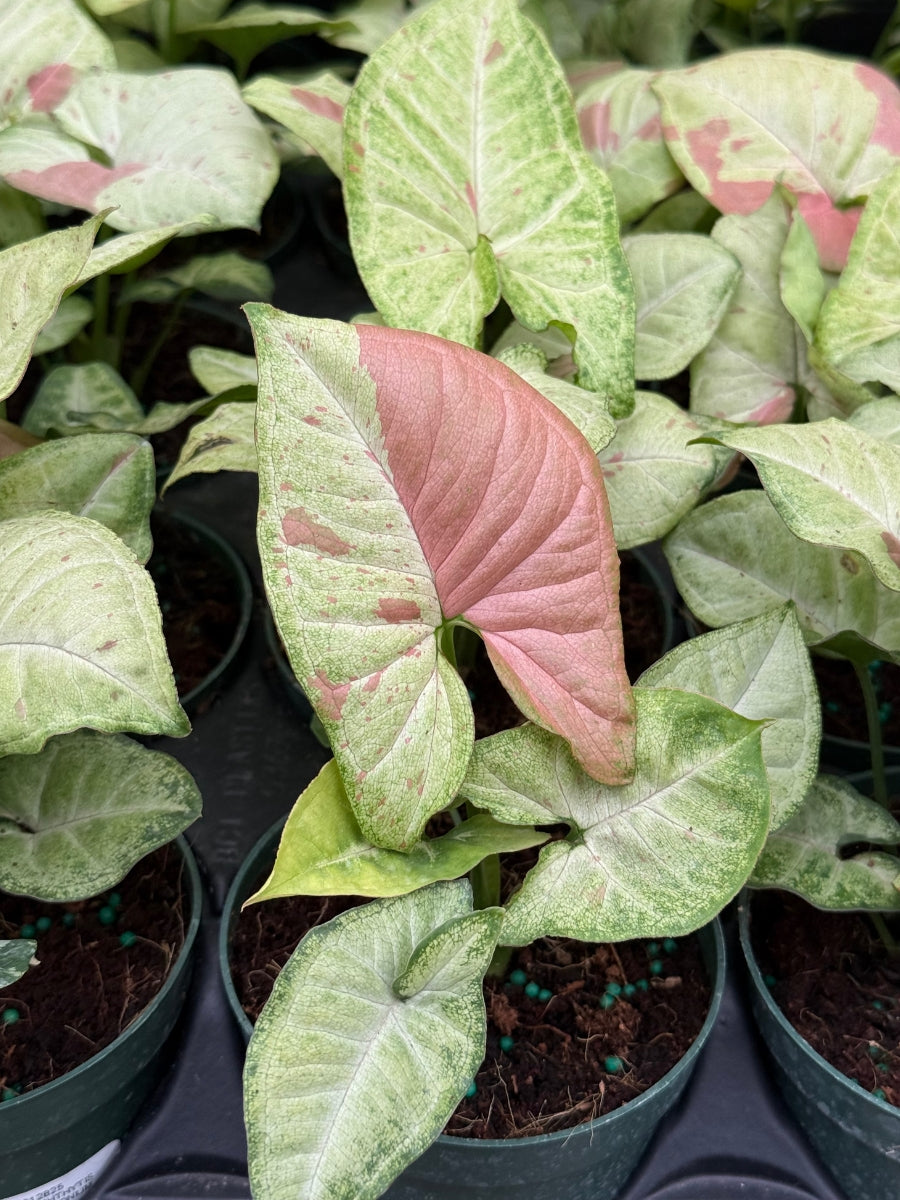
(107, 477)
(225, 276)
(749, 370)
(15, 959)
(451, 203)
(586, 410)
(804, 856)
(46, 47)
(248, 29)
(324, 853)
(831, 484)
(620, 124)
(552, 342)
(389, 504)
(74, 398)
(312, 110)
(128, 251)
(225, 441)
(682, 285)
(801, 279)
(658, 856)
(80, 636)
(75, 818)
(734, 127)
(33, 277)
(859, 327)
(181, 145)
(67, 322)
(880, 419)
(735, 558)
(335, 1033)
(653, 474)
(760, 668)
(218, 370)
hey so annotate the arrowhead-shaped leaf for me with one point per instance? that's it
(225, 441)
(15, 959)
(74, 398)
(80, 636)
(249, 28)
(653, 474)
(312, 110)
(804, 856)
(128, 251)
(492, 192)
(735, 558)
(226, 276)
(734, 127)
(831, 484)
(33, 277)
(682, 285)
(660, 855)
(324, 853)
(385, 1000)
(107, 477)
(181, 145)
(859, 327)
(218, 370)
(46, 47)
(75, 818)
(760, 668)
(391, 504)
(621, 127)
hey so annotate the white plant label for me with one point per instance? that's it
(74, 1183)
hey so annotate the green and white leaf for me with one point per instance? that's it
(80, 636)
(555, 345)
(493, 193)
(375, 21)
(802, 281)
(384, 1001)
(323, 851)
(128, 251)
(218, 370)
(760, 668)
(67, 322)
(33, 277)
(108, 477)
(587, 410)
(831, 484)
(226, 276)
(879, 419)
(15, 958)
(248, 29)
(311, 109)
(619, 118)
(225, 441)
(75, 818)
(653, 473)
(859, 328)
(683, 283)
(77, 397)
(735, 558)
(133, 54)
(659, 856)
(804, 856)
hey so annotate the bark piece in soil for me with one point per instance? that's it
(834, 981)
(88, 986)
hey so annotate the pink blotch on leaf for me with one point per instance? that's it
(892, 545)
(331, 695)
(371, 684)
(651, 130)
(596, 130)
(319, 106)
(21, 709)
(299, 529)
(832, 228)
(49, 86)
(310, 420)
(75, 183)
(776, 409)
(728, 195)
(396, 611)
(497, 48)
(886, 130)
(108, 645)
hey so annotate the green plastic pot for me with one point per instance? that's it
(52, 1130)
(590, 1162)
(856, 1135)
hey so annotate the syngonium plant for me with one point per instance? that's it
(82, 658)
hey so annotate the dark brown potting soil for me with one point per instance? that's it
(833, 979)
(555, 1075)
(198, 597)
(88, 986)
(843, 708)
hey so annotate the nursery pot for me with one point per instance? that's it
(54, 1129)
(240, 591)
(588, 1162)
(856, 1135)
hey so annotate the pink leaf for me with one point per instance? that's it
(832, 228)
(49, 86)
(75, 183)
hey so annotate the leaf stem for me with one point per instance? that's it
(139, 378)
(887, 938)
(446, 644)
(879, 781)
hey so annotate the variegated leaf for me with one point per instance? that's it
(225, 441)
(218, 370)
(880, 419)
(250, 28)
(312, 109)
(15, 959)
(225, 276)
(74, 398)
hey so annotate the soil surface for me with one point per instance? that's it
(89, 985)
(843, 708)
(198, 597)
(832, 978)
